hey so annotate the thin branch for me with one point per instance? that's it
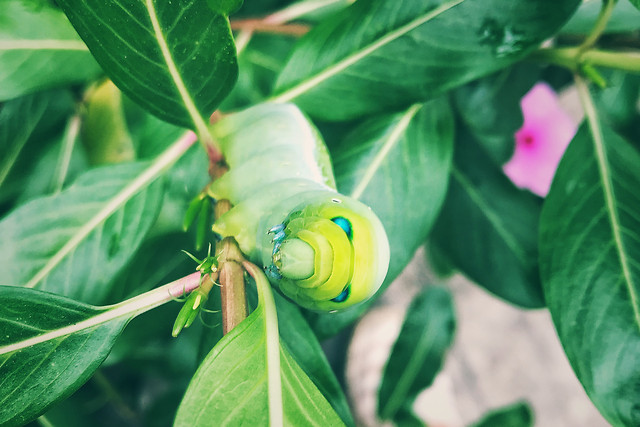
(262, 26)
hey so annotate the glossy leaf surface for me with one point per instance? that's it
(39, 49)
(589, 252)
(55, 243)
(419, 352)
(176, 59)
(301, 342)
(490, 108)
(249, 378)
(34, 376)
(350, 65)
(399, 166)
(497, 222)
(27, 124)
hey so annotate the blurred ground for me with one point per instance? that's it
(501, 354)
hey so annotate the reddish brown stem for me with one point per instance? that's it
(232, 288)
(259, 25)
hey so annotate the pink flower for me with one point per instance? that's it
(541, 141)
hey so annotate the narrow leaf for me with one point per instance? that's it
(398, 165)
(51, 345)
(488, 228)
(55, 243)
(39, 49)
(419, 352)
(518, 414)
(176, 59)
(250, 379)
(348, 66)
(590, 267)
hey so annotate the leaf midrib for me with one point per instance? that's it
(489, 214)
(391, 141)
(142, 181)
(200, 125)
(323, 75)
(409, 373)
(607, 188)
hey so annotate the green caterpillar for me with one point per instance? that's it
(324, 250)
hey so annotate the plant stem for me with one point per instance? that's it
(600, 25)
(275, 23)
(573, 59)
(262, 25)
(232, 288)
(44, 421)
(125, 309)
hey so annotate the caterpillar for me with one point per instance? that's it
(321, 249)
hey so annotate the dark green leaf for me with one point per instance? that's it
(419, 351)
(590, 268)
(176, 59)
(517, 415)
(37, 373)
(52, 243)
(250, 379)
(399, 165)
(405, 417)
(490, 108)
(489, 229)
(39, 49)
(636, 3)
(381, 55)
(618, 103)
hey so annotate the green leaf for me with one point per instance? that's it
(74, 242)
(489, 229)
(305, 349)
(301, 342)
(590, 267)
(47, 370)
(259, 64)
(176, 59)
(224, 7)
(623, 18)
(636, 3)
(27, 125)
(249, 378)
(390, 163)
(518, 414)
(39, 49)
(50, 345)
(419, 352)
(351, 65)
(490, 108)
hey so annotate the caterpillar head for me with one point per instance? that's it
(329, 254)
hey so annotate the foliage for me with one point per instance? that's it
(110, 130)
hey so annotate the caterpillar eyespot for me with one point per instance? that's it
(323, 250)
